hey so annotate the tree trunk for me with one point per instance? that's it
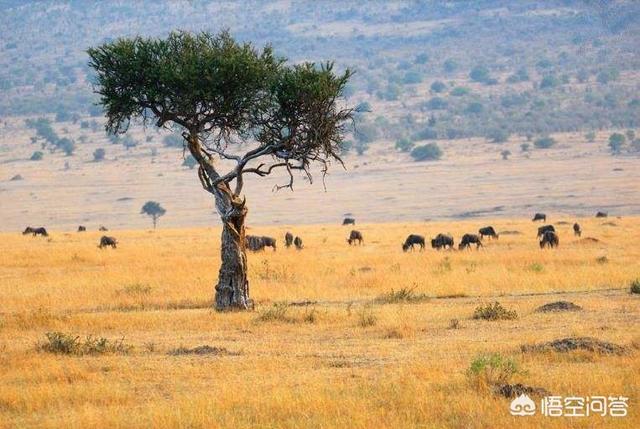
(154, 221)
(232, 290)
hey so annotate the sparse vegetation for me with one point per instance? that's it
(494, 311)
(544, 142)
(635, 286)
(428, 152)
(407, 295)
(99, 154)
(67, 344)
(492, 369)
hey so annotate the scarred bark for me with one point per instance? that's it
(232, 290)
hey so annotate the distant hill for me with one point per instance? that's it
(426, 69)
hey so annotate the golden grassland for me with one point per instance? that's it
(343, 360)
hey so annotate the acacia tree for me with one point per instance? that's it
(153, 209)
(232, 102)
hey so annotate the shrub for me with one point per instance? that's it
(449, 66)
(635, 286)
(460, 91)
(544, 142)
(498, 135)
(276, 313)
(189, 162)
(404, 145)
(479, 74)
(421, 58)
(366, 317)
(61, 343)
(438, 86)
(402, 295)
(474, 108)
(98, 154)
(494, 311)
(412, 77)
(67, 145)
(436, 103)
(426, 134)
(590, 136)
(505, 154)
(36, 156)
(549, 81)
(524, 147)
(173, 140)
(616, 141)
(491, 369)
(428, 152)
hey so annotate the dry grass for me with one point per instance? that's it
(347, 359)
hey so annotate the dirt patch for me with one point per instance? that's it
(510, 232)
(588, 240)
(514, 390)
(577, 343)
(203, 350)
(558, 306)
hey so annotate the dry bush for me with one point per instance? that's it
(66, 344)
(407, 295)
(494, 311)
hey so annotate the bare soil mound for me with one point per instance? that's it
(203, 350)
(558, 306)
(577, 343)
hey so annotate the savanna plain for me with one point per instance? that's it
(341, 336)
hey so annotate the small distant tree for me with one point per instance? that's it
(631, 135)
(590, 136)
(460, 91)
(67, 145)
(128, 142)
(189, 162)
(36, 156)
(437, 103)
(98, 155)
(505, 154)
(449, 66)
(544, 142)
(438, 86)
(427, 152)
(549, 81)
(421, 58)
(412, 77)
(479, 74)
(474, 108)
(404, 145)
(154, 210)
(524, 147)
(498, 135)
(616, 141)
(635, 145)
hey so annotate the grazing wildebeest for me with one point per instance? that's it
(102, 228)
(539, 216)
(549, 238)
(82, 228)
(412, 240)
(601, 214)
(355, 236)
(488, 231)
(288, 239)
(256, 243)
(576, 229)
(107, 241)
(442, 240)
(468, 240)
(35, 231)
(298, 243)
(544, 229)
(349, 221)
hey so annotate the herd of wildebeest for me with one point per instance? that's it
(547, 235)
